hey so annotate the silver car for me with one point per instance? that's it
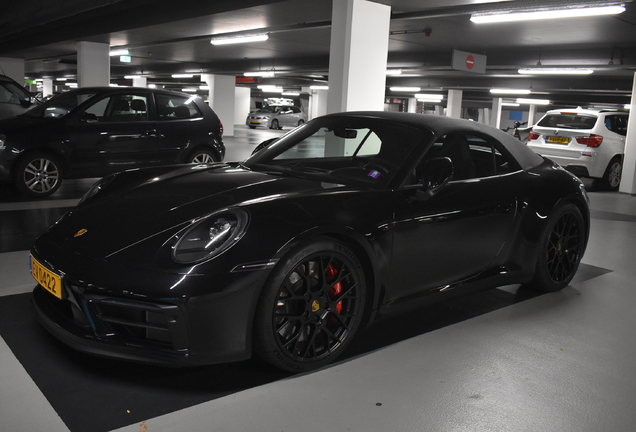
(276, 116)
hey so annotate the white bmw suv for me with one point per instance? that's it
(587, 142)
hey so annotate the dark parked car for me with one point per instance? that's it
(286, 255)
(92, 132)
(14, 99)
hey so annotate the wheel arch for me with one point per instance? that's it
(363, 251)
(65, 164)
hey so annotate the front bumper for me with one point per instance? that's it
(181, 330)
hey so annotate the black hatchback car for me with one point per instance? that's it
(95, 131)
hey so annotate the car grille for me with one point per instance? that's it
(121, 321)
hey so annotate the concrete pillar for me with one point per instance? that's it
(47, 87)
(13, 68)
(140, 82)
(317, 102)
(221, 99)
(628, 180)
(93, 64)
(454, 107)
(241, 104)
(358, 55)
(412, 105)
(439, 110)
(532, 112)
(495, 119)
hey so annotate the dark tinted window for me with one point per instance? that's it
(568, 121)
(617, 123)
(118, 108)
(473, 156)
(175, 107)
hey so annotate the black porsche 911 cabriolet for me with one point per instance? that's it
(286, 255)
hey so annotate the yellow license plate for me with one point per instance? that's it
(49, 280)
(558, 140)
(254, 121)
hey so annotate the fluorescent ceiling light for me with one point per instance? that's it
(533, 101)
(61, 79)
(547, 13)
(239, 39)
(267, 74)
(204, 87)
(405, 89)
(290, 93)
(555, 71)
(627, 106)
(319, 87)
(189, 90)
(184, 75)
(394, 71)
(429, 97)
(509, 91)
(510, 104)
(119, 52)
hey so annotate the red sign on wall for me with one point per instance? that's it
(468, 62)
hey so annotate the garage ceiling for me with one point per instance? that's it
(166, 37)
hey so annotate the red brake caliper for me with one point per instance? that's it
(336, 289)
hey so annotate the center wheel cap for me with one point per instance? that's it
(315, 306)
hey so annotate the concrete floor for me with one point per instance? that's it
(557, 362)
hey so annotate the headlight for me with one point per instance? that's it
(210, 236)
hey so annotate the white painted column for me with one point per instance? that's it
(454, 107)
(47, 87)
(241, 104)
(532, 112)
(93, 64)
(317, 102)
(412, 105)
(358, 55)
(221, 99)
(439, 110)
(495, 119)
(140, 82)
(628, 180)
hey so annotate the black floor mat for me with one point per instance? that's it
(98, 395)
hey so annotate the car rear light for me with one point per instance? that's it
(221, 129)
(533, 135)
(592, 140)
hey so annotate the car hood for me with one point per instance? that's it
(27, 122)
(163, 204)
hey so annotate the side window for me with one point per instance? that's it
(620, 122)
(118, 108)
(473, 156)
(176, 108)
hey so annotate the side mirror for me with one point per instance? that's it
(436, 173)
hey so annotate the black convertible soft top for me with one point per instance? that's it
(441, 125)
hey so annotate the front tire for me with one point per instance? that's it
(275, 124)
(201, 157)
(311, 306)
(560, 249)
(38, 174)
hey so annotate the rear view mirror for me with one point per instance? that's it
(436, 173)
(345, 133)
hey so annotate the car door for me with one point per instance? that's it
(181, 125)
(114, 133)
(458, 232)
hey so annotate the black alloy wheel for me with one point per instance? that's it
(561, 249)
(311, 307)
(38, 174)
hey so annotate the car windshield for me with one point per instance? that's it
(568, 121)
(13, 93)
(345, 150)
(61, 104)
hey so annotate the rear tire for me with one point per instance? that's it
(201, 157)
(560, 249)
(311, 306)
(611, 179)
(38, 174)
